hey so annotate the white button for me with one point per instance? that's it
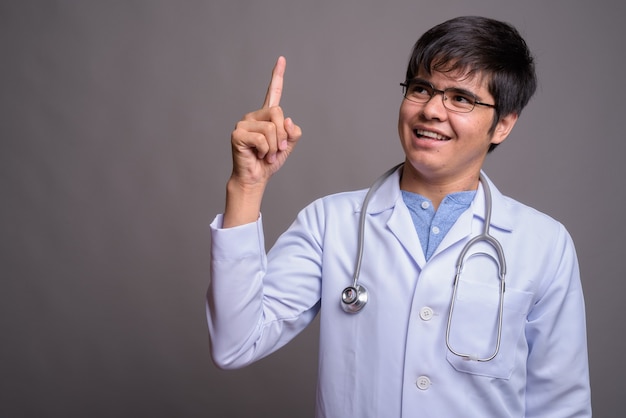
(422, 383)
(436, 230)
(425, 205)
(426, 313)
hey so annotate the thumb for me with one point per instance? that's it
(293, 134)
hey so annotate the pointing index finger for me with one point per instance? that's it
(275, 89)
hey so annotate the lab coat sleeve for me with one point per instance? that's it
(558, 374)
(255, 306)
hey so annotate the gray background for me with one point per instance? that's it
(115, 118)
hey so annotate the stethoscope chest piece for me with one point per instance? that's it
(353, 298)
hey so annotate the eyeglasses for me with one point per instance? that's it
(455, 100)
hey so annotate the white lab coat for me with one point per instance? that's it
(390, 359)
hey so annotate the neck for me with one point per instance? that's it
(436, 188)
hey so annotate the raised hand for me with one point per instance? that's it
(261, 143)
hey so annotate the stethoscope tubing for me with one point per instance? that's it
(363, 216)
(355, 297)
(485, 237)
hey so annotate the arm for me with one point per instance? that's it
(261, 143)
(256, 303)
(558, 373)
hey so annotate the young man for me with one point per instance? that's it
(506, 338)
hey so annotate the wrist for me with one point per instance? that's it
(243, 203)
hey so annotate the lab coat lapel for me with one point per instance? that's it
(465, 225)
(401, 225)
(461, 229)
(389, 197)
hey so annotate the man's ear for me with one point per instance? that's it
(503, 128)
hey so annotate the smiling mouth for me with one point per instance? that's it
(420, 133)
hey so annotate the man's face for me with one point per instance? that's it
(442, 145)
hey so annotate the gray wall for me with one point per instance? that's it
(115, 119)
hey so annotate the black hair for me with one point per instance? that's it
(472, 45)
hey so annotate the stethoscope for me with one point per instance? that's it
(354, 297)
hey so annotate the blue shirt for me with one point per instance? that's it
(432, 226)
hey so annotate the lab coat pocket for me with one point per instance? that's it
(474, 328)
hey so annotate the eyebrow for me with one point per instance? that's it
(457, 89)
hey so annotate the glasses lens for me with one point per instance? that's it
(418, 91)
(458, 101)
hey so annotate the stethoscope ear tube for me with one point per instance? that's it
(354, 298)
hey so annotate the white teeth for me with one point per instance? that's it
(430, 134)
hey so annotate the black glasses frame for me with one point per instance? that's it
(407, 83)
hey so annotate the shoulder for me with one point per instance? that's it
(512, 214)
(347, 202)
(529, 215)
(534, 227)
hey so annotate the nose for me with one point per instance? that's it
(434, 108)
